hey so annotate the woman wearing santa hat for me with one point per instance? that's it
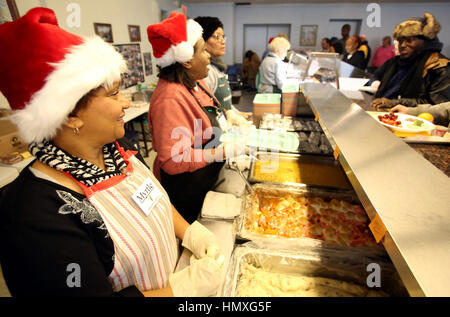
(185, 118)
(217, 80)
(87, 217)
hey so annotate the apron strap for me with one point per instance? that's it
(89, 191)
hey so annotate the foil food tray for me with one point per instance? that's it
(310, 261)
(268, 190)
(312, 140)
(307, 159)
(289, 124)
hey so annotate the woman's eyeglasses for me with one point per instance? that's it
(220, 36)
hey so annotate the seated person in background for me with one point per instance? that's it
(440, 112)
(337, 45)
(326, 45)
(273, 71)
(420, 74)
(250, 67)
(365, 48)
(353, 56)
(79, 207)
(383, 53)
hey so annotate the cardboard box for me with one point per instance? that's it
(10, 140)
(289, 100)
(265, 103)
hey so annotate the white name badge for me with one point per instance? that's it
(147, 196)
(222, 121)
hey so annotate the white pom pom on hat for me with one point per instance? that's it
(173, 39)
(47, 70)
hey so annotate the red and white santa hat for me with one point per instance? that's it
(173, 39)
(46, 71)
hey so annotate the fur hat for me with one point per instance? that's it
(46, 71)
(173, 39)
(427, 27)
(209, 25)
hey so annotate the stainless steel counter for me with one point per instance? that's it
(410, 195)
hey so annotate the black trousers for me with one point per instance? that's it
(187, 191)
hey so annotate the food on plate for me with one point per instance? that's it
(415, 123)
(390, 119)
(334, 221)
(294, 171)
(257, 282)
(426, 116)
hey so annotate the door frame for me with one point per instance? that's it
(358, 23)
(13, 9)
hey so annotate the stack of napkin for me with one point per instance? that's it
(221, 205)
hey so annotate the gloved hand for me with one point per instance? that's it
(201, 278)
(201, 242)
(233, 149)
(235, 119)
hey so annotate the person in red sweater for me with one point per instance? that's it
(383, 53)
(185, 119)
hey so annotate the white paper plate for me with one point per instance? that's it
(405, 124)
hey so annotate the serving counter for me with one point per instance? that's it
(405, 196)
(393, 182)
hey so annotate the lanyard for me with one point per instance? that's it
(216, 103)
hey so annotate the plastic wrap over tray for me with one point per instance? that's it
(271, 121)
(318, 262)
(243, 223)
(311, 138)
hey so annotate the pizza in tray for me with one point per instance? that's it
(335, 221)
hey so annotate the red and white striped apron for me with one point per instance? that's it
(145, 247)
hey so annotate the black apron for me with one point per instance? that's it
(188, 190)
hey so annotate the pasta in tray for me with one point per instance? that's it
(336, 221)
(257, 282)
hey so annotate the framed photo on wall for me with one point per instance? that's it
(308, 35)
(104, 31)
(135, 33)
(132, 54)
(148, 66)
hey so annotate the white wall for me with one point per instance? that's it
(320, 14)
(225, 13)
(118, 13)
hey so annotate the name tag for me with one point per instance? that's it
(222, 121)
(147, 196)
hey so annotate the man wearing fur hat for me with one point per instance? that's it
(420, 74)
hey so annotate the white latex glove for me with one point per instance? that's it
(201, 278)
(234, 149)
(201, 242)
(235, 119)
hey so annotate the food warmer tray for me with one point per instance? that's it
(276, 190)
(347, 266)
